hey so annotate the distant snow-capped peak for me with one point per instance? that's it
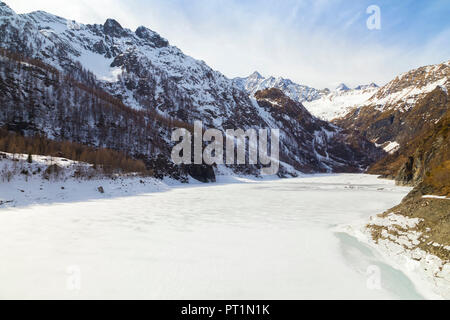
(342, 87)
(325, 104)
(367, 86)
(5, 10)
(256, 75)
(256, 82)
(401, 93)
(338, 103)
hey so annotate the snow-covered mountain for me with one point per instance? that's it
(401, 110)
(341, 101)
(366, 86)
(324, 104)
(320, 143)
(389, 116)
(300, 93)
(342, 87)
(142, 71)
(139, 67)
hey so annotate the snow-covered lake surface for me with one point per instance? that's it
(249, 240)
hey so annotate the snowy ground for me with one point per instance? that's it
(428, 272)
(23, 184)
(338, 104)
(244, 240)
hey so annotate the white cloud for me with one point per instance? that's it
(238, 41)
(85, 11)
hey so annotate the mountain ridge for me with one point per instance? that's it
(405, 106)
(144, 72)
(323, 103)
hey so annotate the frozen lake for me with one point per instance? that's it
(263, 240)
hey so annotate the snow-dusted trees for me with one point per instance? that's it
(36, 98)
(109, 161)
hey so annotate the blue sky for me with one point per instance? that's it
(314, 42)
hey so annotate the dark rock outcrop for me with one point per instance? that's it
(152, 37)
(202, 173)
(113, 28)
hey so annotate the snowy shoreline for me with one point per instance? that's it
(36, 191)
(49, 180)
(428, 273)
(200, 241)
(23, 184)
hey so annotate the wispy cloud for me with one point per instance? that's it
(316, 42)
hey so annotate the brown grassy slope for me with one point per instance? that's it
(424, 162)
(396, 124)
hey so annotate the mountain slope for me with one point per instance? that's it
(324, 104)
(314, 142)
(341, 101)
(139, 67)
(423, 162)
(419, 227)
(404, 108)
(141, 71)
(414, 109)
(256, 82)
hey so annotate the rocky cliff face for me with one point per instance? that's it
(409, 117)
(423, 162)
